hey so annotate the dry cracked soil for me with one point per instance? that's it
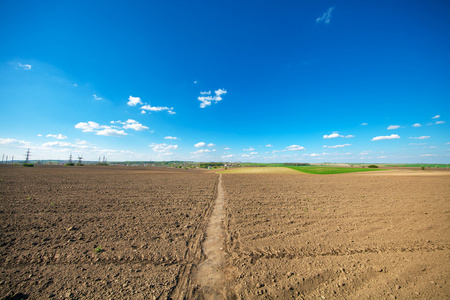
(103, 232)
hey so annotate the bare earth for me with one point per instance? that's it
(169, 233)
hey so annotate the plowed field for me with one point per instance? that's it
(158, 233)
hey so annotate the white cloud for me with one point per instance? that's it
(195, 81)
(294, 148)
(59, 144)
(365, 153)
(75, 85)
(132, 124)
(227, 148)
(13, 142)
(333, 135)
(428, 155)
(143, 112)
(207, 100)
(203, 151)
(337, 146)
(111, 132)
(58, 137)
(393, 127)
(440, 122)
(314, 154)
(210, 145)
(382, 157)
(249, 149)
(39, 134)
(133, 101)
(417, 125)
(349, 136)
(423, 137)
(156, 108)
(171, 138)
(436, 117)
(97, 98)
(417, 144)
(386, 137)
(326, 17)
(163, 148)
(89, 126)
(364, 124)
(201, 144)
(269, 145)
(253, 153)
(228, 156)
(24, 66)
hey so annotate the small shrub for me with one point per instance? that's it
(98, 249)
(70, 164)
(373, 166)
(27, 165)
(423, 168)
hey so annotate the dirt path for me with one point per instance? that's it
(209, 274)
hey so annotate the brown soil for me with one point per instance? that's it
(169, 233)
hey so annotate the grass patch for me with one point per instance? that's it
(259, 170)
(331, 170)
(419, 165)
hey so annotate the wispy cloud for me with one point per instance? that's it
(417, 125)
(269, 145)
(13, 142)
(337, 146)
(332, 136)
(423, 137)
(111, 132)
(57, 136)
(436, 117)
(295, 148)
(203, 151)
(428, 155)
(24, 66)
(364, 124)
(440, 122)
(133, 101)
(163, 148)
(393, 127)
(135, 125)
(386, 137)
(207, 100)
(228, 156)
(97, 98)
(249, 149)
(326, 17)
(203, 144)
(171, 138)
(148, 107)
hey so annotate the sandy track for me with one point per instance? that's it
(210, 272)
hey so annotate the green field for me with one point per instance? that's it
(331, 170)
(419, 165)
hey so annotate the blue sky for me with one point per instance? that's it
(258, 81)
